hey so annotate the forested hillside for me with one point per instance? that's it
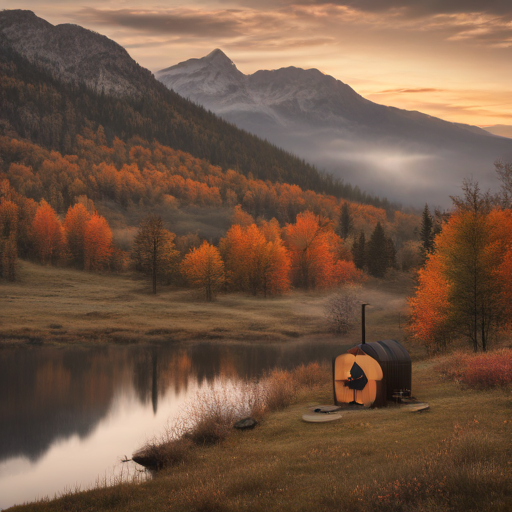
(52, 113)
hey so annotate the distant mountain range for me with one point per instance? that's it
(407, 156)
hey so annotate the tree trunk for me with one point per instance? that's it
(154, 266)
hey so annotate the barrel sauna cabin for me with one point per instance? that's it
(372, 373)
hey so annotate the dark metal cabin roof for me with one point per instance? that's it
(386, 351)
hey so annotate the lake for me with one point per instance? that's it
(68, 416)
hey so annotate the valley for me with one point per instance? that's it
(324, 121)
(182, 250)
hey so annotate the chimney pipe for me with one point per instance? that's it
(363, 323)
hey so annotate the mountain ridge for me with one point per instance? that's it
(324, 120)
(74, 54)
(288, 76)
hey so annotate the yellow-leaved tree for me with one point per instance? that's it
(203, 267)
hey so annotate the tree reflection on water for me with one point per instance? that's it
(50, 394)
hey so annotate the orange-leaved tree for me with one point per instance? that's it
(97, 243)
(203, 267)
(256, 259)
(75, 224)
(313, 245)
(241, 217)
(8, 239)
(154, 251)
(430, 308)
(278, 264)
(462, 289)
(47, 233)
(346, 272)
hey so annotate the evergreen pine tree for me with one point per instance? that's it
(359, 251)
(426, 233)
(377, 255)
(391, 253)
(346, 224)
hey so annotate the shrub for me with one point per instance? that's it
(212, 413)
(481, 371)
(311, 376)
(206, 419)
(158, 455)
(341, 311)
(278, 389)
(210, 416)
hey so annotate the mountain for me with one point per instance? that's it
(74, 54)
(403, 154)
(503, 130)
(61, 80)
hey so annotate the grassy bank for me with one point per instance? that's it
(455, 457)
(59, 305)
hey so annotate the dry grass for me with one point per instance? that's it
(311, 375)
(57, 305)
(453, 476)
(455, 457)
(209, 417)
(279, 390)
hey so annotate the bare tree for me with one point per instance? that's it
(504, 171)
(473, 200)
(153, 250)
(342, 311)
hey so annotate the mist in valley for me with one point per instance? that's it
(405, 172)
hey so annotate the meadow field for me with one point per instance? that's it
(64, 306)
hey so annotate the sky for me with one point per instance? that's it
(448, 58)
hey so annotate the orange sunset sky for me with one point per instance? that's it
(450, 59)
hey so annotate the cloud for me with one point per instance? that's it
(241, 29)
(421, 8)
(168, 21)
(446, 109)
(264, 42)
(413, 90)
(281, 23)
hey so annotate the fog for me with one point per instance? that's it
(403, 171)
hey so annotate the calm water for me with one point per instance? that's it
(68, 416)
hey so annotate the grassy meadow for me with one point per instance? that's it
(62, 305)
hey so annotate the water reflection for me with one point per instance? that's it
(99, 403)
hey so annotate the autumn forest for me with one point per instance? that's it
(280, 235)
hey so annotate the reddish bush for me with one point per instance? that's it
(482, 371)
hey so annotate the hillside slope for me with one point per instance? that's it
(51, 91)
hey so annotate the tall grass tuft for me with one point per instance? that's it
(311, 376)
(209, 417)
(212, 413)
(278, 389)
